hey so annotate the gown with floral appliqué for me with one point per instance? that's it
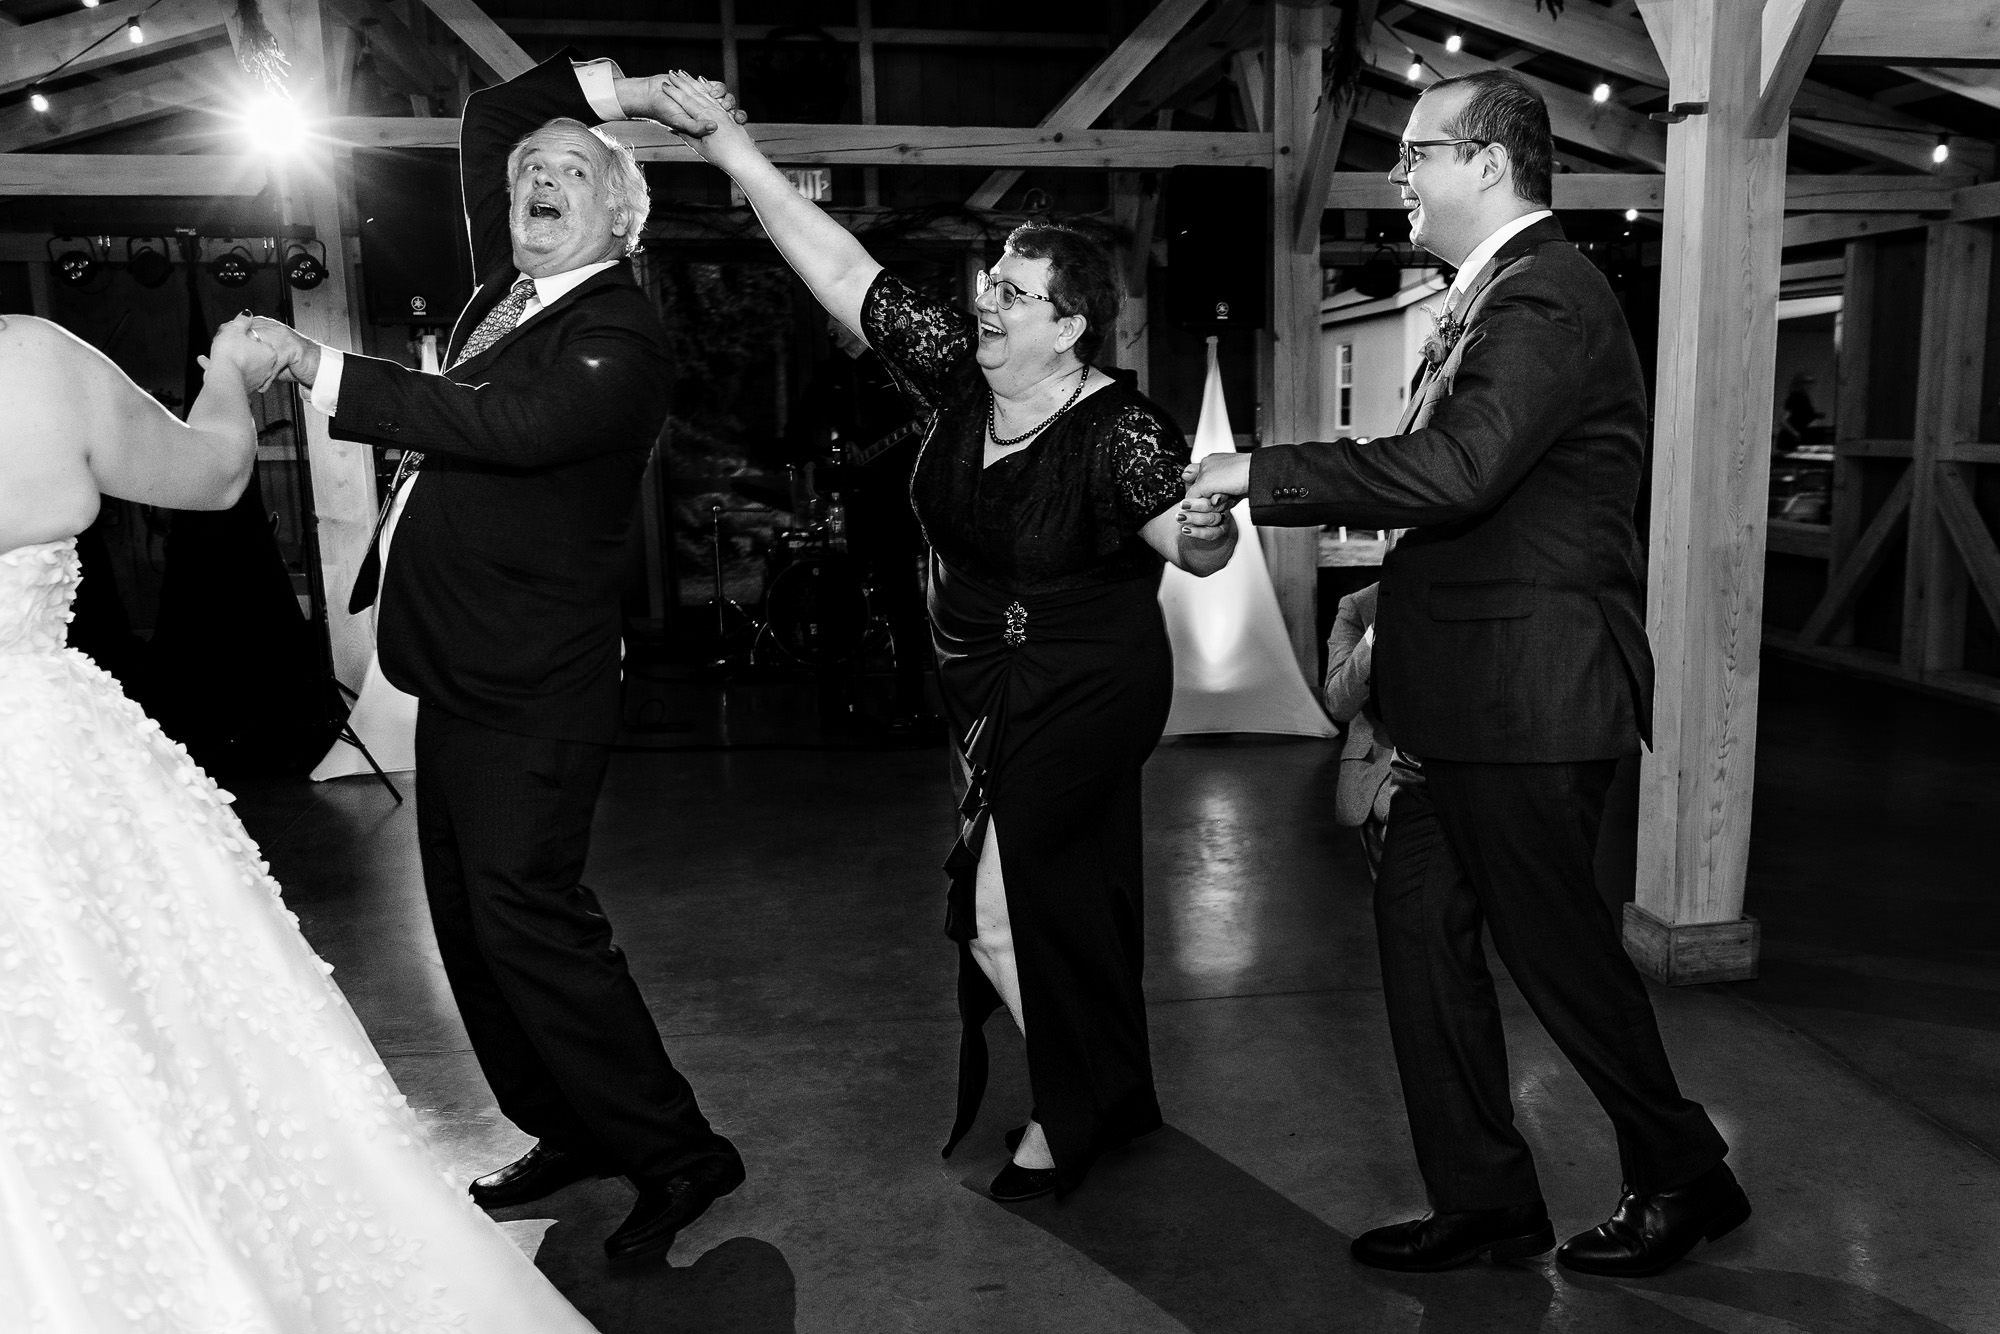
(195, 1133)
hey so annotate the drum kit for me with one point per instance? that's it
(816, 611)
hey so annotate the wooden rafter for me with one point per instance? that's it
(403, 58)
(1640, 190)
(199, 80)
(1330, 119)
(189, 176)
(1100, 88)
(1621, 46)
(32, 50)
(655, 30)
(1896, 32)
(1969, 533)
(1199, 56)
(494, 48)
(1793, 32)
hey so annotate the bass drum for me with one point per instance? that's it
(817, 611)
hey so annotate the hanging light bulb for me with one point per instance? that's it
(1601, 93)
(39, 103)
(134, 33)
(1454, 43)
(91, 4)
(1631, 215)
(1416, 69)
(1942, 153)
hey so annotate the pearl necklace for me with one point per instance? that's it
(993, 421)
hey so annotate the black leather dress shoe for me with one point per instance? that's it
(1650, 1233)
(1016, 1183)
(542, 1170)
(666, 1206)
(1445, 1241)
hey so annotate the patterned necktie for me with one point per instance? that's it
(499, 322)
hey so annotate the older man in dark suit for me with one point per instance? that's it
(1512, 664)
(518, 489)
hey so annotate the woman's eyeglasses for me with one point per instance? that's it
(1406, 152)
(1005, 293)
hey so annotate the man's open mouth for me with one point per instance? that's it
(538, 209)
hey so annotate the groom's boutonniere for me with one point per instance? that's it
(1445, 333)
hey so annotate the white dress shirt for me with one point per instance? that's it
(1483, 253)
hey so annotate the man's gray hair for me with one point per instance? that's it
(624, 182)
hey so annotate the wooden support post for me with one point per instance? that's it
(1958, 266)
(1293, 393)
(864, 20)
(1711, 477)
(1134, 208)
(343, 473)
(1850, 414)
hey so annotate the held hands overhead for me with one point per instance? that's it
(1214, 484)
(237, 345)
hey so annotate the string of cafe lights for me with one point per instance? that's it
(1455, 43)
(134, 31)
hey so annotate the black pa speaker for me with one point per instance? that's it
(1218, 246)
(416, 264)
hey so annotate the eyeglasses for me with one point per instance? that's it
(1005, 292)
(1406, 154)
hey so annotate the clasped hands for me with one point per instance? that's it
(262, 351)
(1214, 484)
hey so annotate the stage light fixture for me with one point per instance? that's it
(1454, 43)
(134, 33)
(1601, 93)
(76, 267)
(148, 264)
(303, 269)
(1942, 153)
(233, 267)
(39, 103)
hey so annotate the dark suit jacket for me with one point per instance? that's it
(500, 600)
(1509, 626)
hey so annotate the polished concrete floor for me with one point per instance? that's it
(774, 881)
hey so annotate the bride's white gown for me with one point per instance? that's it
(195, 1133)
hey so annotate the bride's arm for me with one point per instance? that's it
(133, 447)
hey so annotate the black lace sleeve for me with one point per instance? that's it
(1147, 455)
(926, 344)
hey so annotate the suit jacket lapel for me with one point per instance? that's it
(491, 292)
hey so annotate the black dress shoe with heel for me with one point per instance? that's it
(1651, 1233)
(542, 1170)
(1016, 1183)
(1445, 1241)
(666, 1206)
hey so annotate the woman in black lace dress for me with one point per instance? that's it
(1050, 495)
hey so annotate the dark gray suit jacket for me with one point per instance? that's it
(1510, 624)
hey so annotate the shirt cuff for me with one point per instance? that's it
(595, 77)
(325, 395)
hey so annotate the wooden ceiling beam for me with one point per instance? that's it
(1896, 32)
(1595, 36)
(1095, 93)
(34, 49)
(195, 82)
(493, 48)
(1612, 131)
(1793, 32)
(1200, 56)
(886, 145)
(146, 175)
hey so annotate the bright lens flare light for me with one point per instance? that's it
(274, 125)
(39, 103)
(1601, 93)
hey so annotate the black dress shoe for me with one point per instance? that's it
(1016, 1183)
(542, 1170)
(666, 1206)
(1445, 1241)
(1650, 1233)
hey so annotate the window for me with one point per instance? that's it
(1343, 387)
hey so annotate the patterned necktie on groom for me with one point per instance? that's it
(499, 322)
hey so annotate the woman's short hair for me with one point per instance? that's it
(625, 186)
(1501, 108)
(1083, 274)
